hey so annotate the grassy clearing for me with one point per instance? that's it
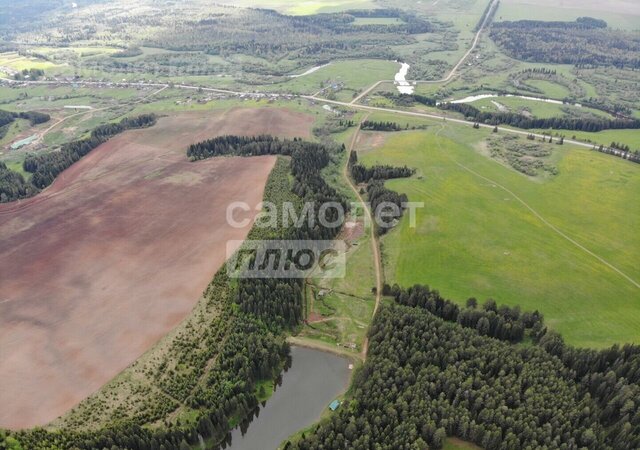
(377, 21)
(16, 166)
(459, 444)
(304, 7)
(550, 89)
(14, 129)
(474, 239)
(491, 70)
(606, 137)
(536, 108)
(349, 78)
(618, 13)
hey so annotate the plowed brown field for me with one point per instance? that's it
(97, 268)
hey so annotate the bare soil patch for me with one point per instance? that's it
(370, 140)
(116, 253)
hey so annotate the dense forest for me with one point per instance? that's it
(320, 36)
(272, 44)
(432, 373)
(586, 42)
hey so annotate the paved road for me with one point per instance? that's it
(163, 86)
(433, 116)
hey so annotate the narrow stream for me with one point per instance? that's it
(314, 380)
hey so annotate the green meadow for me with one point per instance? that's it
(537, 108)
(304, 7)
(349, 76)
(476, 238)
(605, 137)
(618, 13)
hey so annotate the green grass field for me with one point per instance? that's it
(377, 21)
(354, 75)
(304, 7)
(458, 444)
(537, 108)
(606, 137)
(618, 13)
(550, 89)
(475, 239)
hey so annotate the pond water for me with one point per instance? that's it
(310, 71)
(473, 98)
(404, 87)
(314, 380)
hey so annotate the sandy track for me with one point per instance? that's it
(116, 253)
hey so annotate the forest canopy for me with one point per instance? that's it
(587, 42)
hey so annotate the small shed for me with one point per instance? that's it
(334, 405)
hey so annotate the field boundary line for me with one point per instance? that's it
(545, 221)
(374, 240)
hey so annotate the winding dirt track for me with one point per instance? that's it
(116, 253)
(375, 248)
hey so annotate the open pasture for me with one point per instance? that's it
(478, 234)
(623, 14)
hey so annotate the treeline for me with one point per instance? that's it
(387, 206)
(279, 301)
(362, 174)
(380, 126)
(590, 124)
(250, 352)
(409, 99)
(425, 379)
(586, 42)
(249, 346)
(487, 15)
(504, 323)
(7, 118)
(520, 81)
(34, 117)
(46, 167)
(13, 186)
(128, 52)
(624, 152)
(433, 371)
(31, 74)
(410, 23)
(308, 40)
